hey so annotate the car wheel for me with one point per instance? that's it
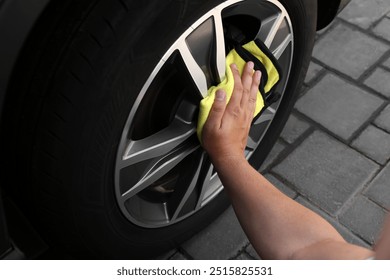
(113, 164)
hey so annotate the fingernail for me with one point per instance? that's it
(258, 75)
(233, 65)
(220, 95)
(250, 64)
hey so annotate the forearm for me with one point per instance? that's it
(276, 225)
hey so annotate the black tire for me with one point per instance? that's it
(78, 78)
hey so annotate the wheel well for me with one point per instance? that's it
(327, 10)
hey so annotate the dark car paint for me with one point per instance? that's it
(17, 18)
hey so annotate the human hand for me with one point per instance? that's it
(225, 132)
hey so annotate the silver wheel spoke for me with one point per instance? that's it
(261, 122)
(204, 185)
(191, 187)
(220, 46)
(158, 144)
(194, 69)
(282, 47)
(201, 59)
(251, 144)
(266, 116)
(270, 28)
(158, 168)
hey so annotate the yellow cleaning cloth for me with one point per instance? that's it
(270, 77)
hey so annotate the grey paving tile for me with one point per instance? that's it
(243, 257)
(251, 251)
(344, 232)
(326, 171)
(293, 129)
(383, 119)
(223, 239)
(379, 80)
(364, 13)
(178, 257)
(387, 63)
(365, 218)
(379, 189)
(312, 72)
(167, 255)
(349, 51)
(383, 28)
(282, 187)
(337, 105)
(274, 153)
(375, 143)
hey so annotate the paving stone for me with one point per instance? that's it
(344, 232)
(375, 143)
(365, 218)
(379, 189)
(274, 153)
(178, 257)
(364, 13)
(293, 129)
(223, 239)
(282, 187)
(383, 121)
(379, 81)
(312, 72)
(326, 171)
(387, 63)
(243, 257)
(339, 106)
(167, 255)
(349, 51)
(383, 28)
(252, 252)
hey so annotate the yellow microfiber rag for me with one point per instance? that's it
(264, 61)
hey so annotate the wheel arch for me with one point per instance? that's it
(327, 11)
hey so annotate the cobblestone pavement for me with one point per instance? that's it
(333, 155)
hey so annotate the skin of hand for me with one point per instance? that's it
(226, 131)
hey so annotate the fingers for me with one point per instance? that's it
(243, 99)
(247, 81)
(245, 88)
(214, 119)
(253, 91)
(235, 99)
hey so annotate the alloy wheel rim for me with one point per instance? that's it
(162, 175)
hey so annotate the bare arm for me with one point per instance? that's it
(277, 226)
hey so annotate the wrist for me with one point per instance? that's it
(223, 162)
